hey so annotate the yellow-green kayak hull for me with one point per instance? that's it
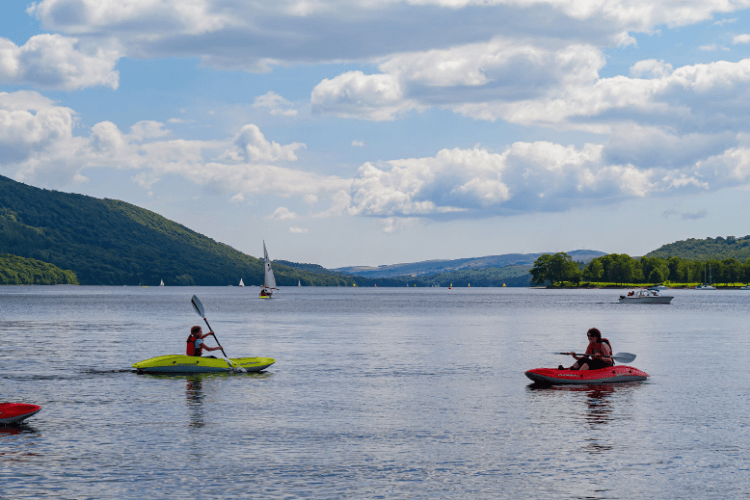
(179, 363)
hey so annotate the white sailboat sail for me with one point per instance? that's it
(268, 279)
(162, 283)
(299, 282)
(241, 283)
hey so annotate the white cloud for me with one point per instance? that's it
(57, 62)
(252, 146)
(358, 144)
(650, 68)
(298, 230)
(356, 95)
(712, 48)
(277, 105)
(283, 213)
(741, 39)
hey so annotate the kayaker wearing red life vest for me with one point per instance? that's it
(597, 354)
(195, 344)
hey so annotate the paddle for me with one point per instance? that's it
(620, 357)
(198, 306)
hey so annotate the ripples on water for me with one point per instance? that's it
(386, 393)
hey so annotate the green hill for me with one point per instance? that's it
(110, 242)
(710, 248)
(15, 270)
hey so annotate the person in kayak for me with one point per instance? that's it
(598, 353)
(195, 344)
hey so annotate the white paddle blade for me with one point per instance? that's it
(198, 306)
(623, 357)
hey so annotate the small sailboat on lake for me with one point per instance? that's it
(162, 283)
(241, 282)
(269, 282)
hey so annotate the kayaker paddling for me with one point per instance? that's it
(195, 344)
(598, 354)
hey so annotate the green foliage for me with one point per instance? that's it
(16, 270)
(621, 268)
(554, 268)
(703, 250)
(488, 276)
(110, 242)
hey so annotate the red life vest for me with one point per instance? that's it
(191, 351)
(598, 349)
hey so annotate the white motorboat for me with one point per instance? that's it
(658, 287)
(746, 287)
(645, 296)
(705, 286)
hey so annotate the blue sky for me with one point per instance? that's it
(370, 133)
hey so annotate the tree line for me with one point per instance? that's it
(16, 270)
(622, 268)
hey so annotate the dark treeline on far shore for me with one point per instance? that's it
(624, 269)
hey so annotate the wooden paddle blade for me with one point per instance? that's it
(623, 357)
(198, 306)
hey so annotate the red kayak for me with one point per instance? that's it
(612, 374)
(13, 413)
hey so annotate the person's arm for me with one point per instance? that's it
(211, 348)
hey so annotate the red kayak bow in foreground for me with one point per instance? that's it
(13, 413)
(612, 374)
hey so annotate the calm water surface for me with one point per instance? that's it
(376, 393)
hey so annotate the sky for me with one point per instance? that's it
(380, 132)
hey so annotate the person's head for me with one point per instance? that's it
(594, 335)
(196, 330)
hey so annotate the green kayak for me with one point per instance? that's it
(179, 363)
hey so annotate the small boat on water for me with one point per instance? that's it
(15, 413)
(241, 282)
(645, 296)
(162, 283)
(658, 287)
(705, 286)
(180, 363)
(746, 287)
(269, 282)
(609, 375)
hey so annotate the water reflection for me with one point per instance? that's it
(599, 405)
(194, 395)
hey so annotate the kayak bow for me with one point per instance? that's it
(180, 363)
(13, 413)
(612, 374)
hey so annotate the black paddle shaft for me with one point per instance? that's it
(215, 338)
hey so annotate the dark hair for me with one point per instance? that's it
(194, 330)
(595, 332)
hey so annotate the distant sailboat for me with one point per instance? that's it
(299, 282)
(269, 282)
(162, 283)
(241, 283)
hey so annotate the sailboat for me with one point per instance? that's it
(299, 282)
(269, 282)
(241, 283)
(162, 283)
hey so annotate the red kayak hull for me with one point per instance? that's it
(13, 413)
(613, 374)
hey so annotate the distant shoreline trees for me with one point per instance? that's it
(622, 268)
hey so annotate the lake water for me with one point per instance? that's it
(387, 393)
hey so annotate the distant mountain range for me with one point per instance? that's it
(430, 267)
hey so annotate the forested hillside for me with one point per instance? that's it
(15, 270)
(110, 242)
(710, 248)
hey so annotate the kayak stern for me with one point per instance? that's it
(14, 413)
